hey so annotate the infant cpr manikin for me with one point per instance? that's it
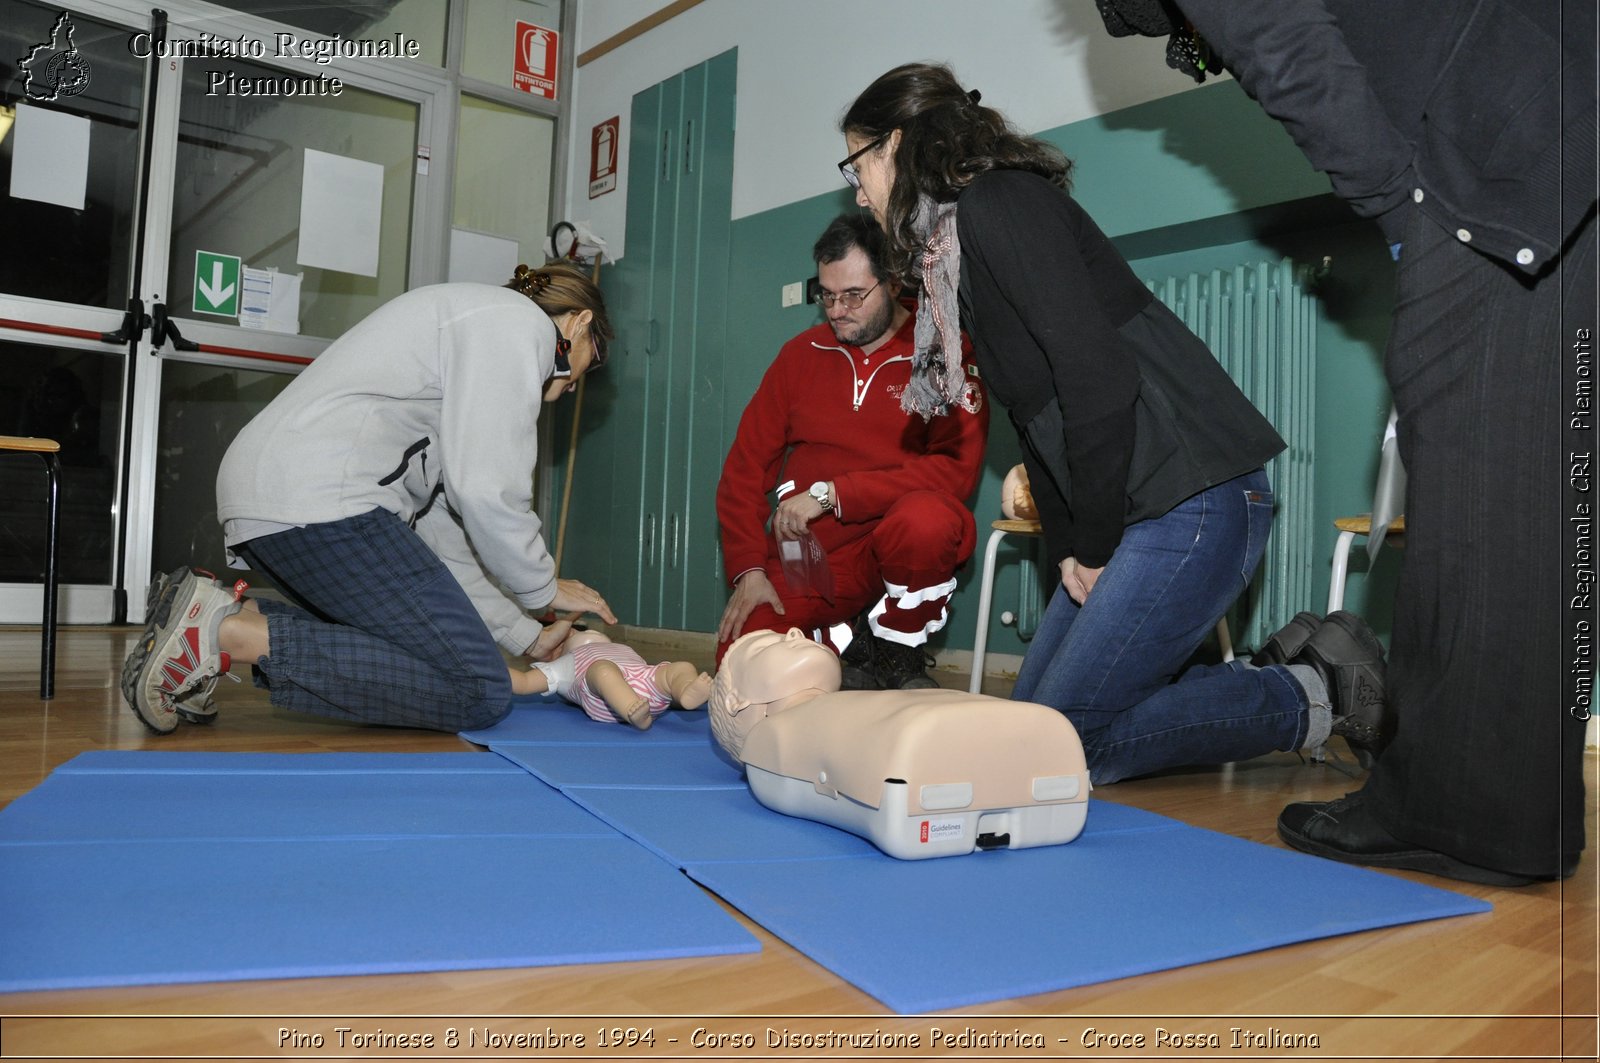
(919, 773)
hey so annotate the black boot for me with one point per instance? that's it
(903, 667)
(1349, 659)
(1346, 830)
(858, 664)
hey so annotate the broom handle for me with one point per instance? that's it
(572, 450)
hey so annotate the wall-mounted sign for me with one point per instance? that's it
(603, 156)
(216, 284)
(534, 68)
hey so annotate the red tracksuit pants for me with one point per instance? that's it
(905, 569)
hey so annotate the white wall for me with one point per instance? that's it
(1043, 62)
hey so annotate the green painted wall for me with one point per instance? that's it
(1194, 181)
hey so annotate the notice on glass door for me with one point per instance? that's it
(341, 213)
(270, 300)
(49, 157)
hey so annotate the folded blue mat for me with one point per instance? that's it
(128, 796)
(1136, 893)
(145, 868)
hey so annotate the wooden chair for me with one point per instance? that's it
(980, 640)
(1349, 528)
(48, 451)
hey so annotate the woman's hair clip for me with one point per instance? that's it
(974, 95)
(528, 281)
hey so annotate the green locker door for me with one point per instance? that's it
(693, 594)
(661, 421)
(605, 541)
(666, 224)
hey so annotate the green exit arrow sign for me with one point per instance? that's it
(216, 284)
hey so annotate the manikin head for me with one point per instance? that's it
(580, 637)
(763, 673)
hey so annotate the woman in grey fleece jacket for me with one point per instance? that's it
(388, 491)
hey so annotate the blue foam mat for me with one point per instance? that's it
(1136, 893)
(287, 796)
(158, 912)
(140, 868)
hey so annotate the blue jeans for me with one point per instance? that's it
(1113, 665)
(386, 635)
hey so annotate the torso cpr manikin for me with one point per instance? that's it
(919, 773)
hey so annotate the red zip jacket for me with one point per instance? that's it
(835, 413)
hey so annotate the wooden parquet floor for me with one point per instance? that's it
(1517, 982)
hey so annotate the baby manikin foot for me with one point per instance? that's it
(695, 693)
(636, 712)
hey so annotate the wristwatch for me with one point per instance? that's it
(824, 497)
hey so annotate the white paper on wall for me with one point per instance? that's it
(270, 300)
(341, 201)
(482, 257)
(50, 157)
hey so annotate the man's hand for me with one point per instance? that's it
(1078, 579)
(575, 597)
(793, 514)
(749, 591)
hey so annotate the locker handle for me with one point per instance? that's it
(650, 539)
(666, 156)
(655, 335)
(673, 562)
(688, 148)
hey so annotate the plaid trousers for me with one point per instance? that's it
(382, 632)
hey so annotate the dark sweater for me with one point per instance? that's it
(1480, 112)
(1122, 412)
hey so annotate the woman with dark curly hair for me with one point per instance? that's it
(1145, 459)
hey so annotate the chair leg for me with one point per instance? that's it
(1225, 640)
(1341, 570)
(980, 640)
(47, 663)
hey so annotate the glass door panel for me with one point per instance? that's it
(202, 408)
(422, 21)
(502, 175)
(74, 397)
(491, 41)
(241, 165)
(75, 251)
(71, 112)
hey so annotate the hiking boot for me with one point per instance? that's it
(177, 657)
(1349, 659)
(858, 662)
(1288, 641)
(902, 667)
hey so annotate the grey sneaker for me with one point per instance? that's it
(178, 656)
(197, 706)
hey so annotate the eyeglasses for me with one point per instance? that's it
(597, 343)
(848, 166)
(852, 298)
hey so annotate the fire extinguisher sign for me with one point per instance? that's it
(603, 156)
(534, 68)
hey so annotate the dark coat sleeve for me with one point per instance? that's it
(1292, 59)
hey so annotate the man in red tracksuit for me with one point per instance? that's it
(883, 491)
